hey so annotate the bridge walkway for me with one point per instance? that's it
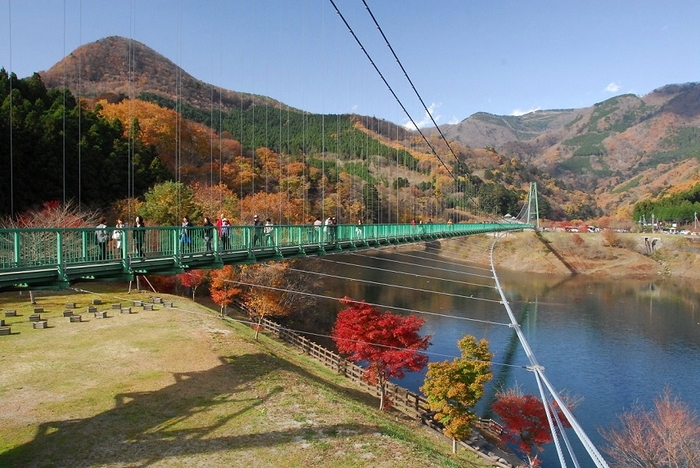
(55, 258)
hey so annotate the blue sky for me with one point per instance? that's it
(463, 56)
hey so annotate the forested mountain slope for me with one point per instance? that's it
(622, 150)
(587, 162)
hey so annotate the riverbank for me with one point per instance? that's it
(603, 255)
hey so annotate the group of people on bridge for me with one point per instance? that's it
(262, 235)
(102, 237)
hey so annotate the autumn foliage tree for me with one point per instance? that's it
(273, 290)
(667, 435)
(183, 145)
(454, 387)
(222, 288)
(525, 422)
(193, 279)
(53, 214)
(166, 203)
(388, 343)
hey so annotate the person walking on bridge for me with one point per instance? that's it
(257, 230)
(317, 229)
(139, 235)
(225, 233)
(117, 235)
(208, 233)
(101, 238)
(269, 227)
(185, 234)
(219, 223)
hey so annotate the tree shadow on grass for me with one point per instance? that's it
(146, 427)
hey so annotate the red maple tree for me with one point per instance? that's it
(388, 343)
(193, 279)
(525, 422)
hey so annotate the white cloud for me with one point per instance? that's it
(519, 112)
(425, 121)
(612, 87)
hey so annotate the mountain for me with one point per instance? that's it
(118, 67)
(607, 156)
(621, 150)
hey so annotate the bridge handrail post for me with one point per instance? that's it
(85, 245)
(60, 261)
(177, 245)
(16, 254)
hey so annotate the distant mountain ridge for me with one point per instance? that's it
(623, 149)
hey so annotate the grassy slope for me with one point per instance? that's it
(181, 387)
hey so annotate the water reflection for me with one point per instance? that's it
(613, 343)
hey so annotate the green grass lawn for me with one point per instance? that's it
(181, 387)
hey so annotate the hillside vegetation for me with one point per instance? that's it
(590, 162)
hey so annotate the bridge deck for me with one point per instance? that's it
(55, 258)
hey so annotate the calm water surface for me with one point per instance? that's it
(613, 343)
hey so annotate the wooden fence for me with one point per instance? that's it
(409, 403)
(402, 399)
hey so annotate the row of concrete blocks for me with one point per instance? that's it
(92, 308)
(38, 322)
(136, 303)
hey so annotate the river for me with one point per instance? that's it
(612, 344)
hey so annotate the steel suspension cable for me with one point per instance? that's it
(388, 285)
(439, 260)
(221, 158)
(65, 88)
(548, 413)
(369, 57)
(12, 111)
(373, 304)
(414, 275)
(539, 371)
(130, 172)
(80, 107)
(425, 266)
(305, 332)
(408, 78)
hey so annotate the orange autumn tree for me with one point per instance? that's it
(275, 290)
(279, 207)
(454, 387)
(215, 199)
(166, 129)
(388, 343)
(223, 289)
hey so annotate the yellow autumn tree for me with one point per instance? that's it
(181, 144)
(212, 200)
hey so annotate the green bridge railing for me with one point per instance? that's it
(56, 258)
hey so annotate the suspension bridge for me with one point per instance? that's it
(51, 258)
(57, 258)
